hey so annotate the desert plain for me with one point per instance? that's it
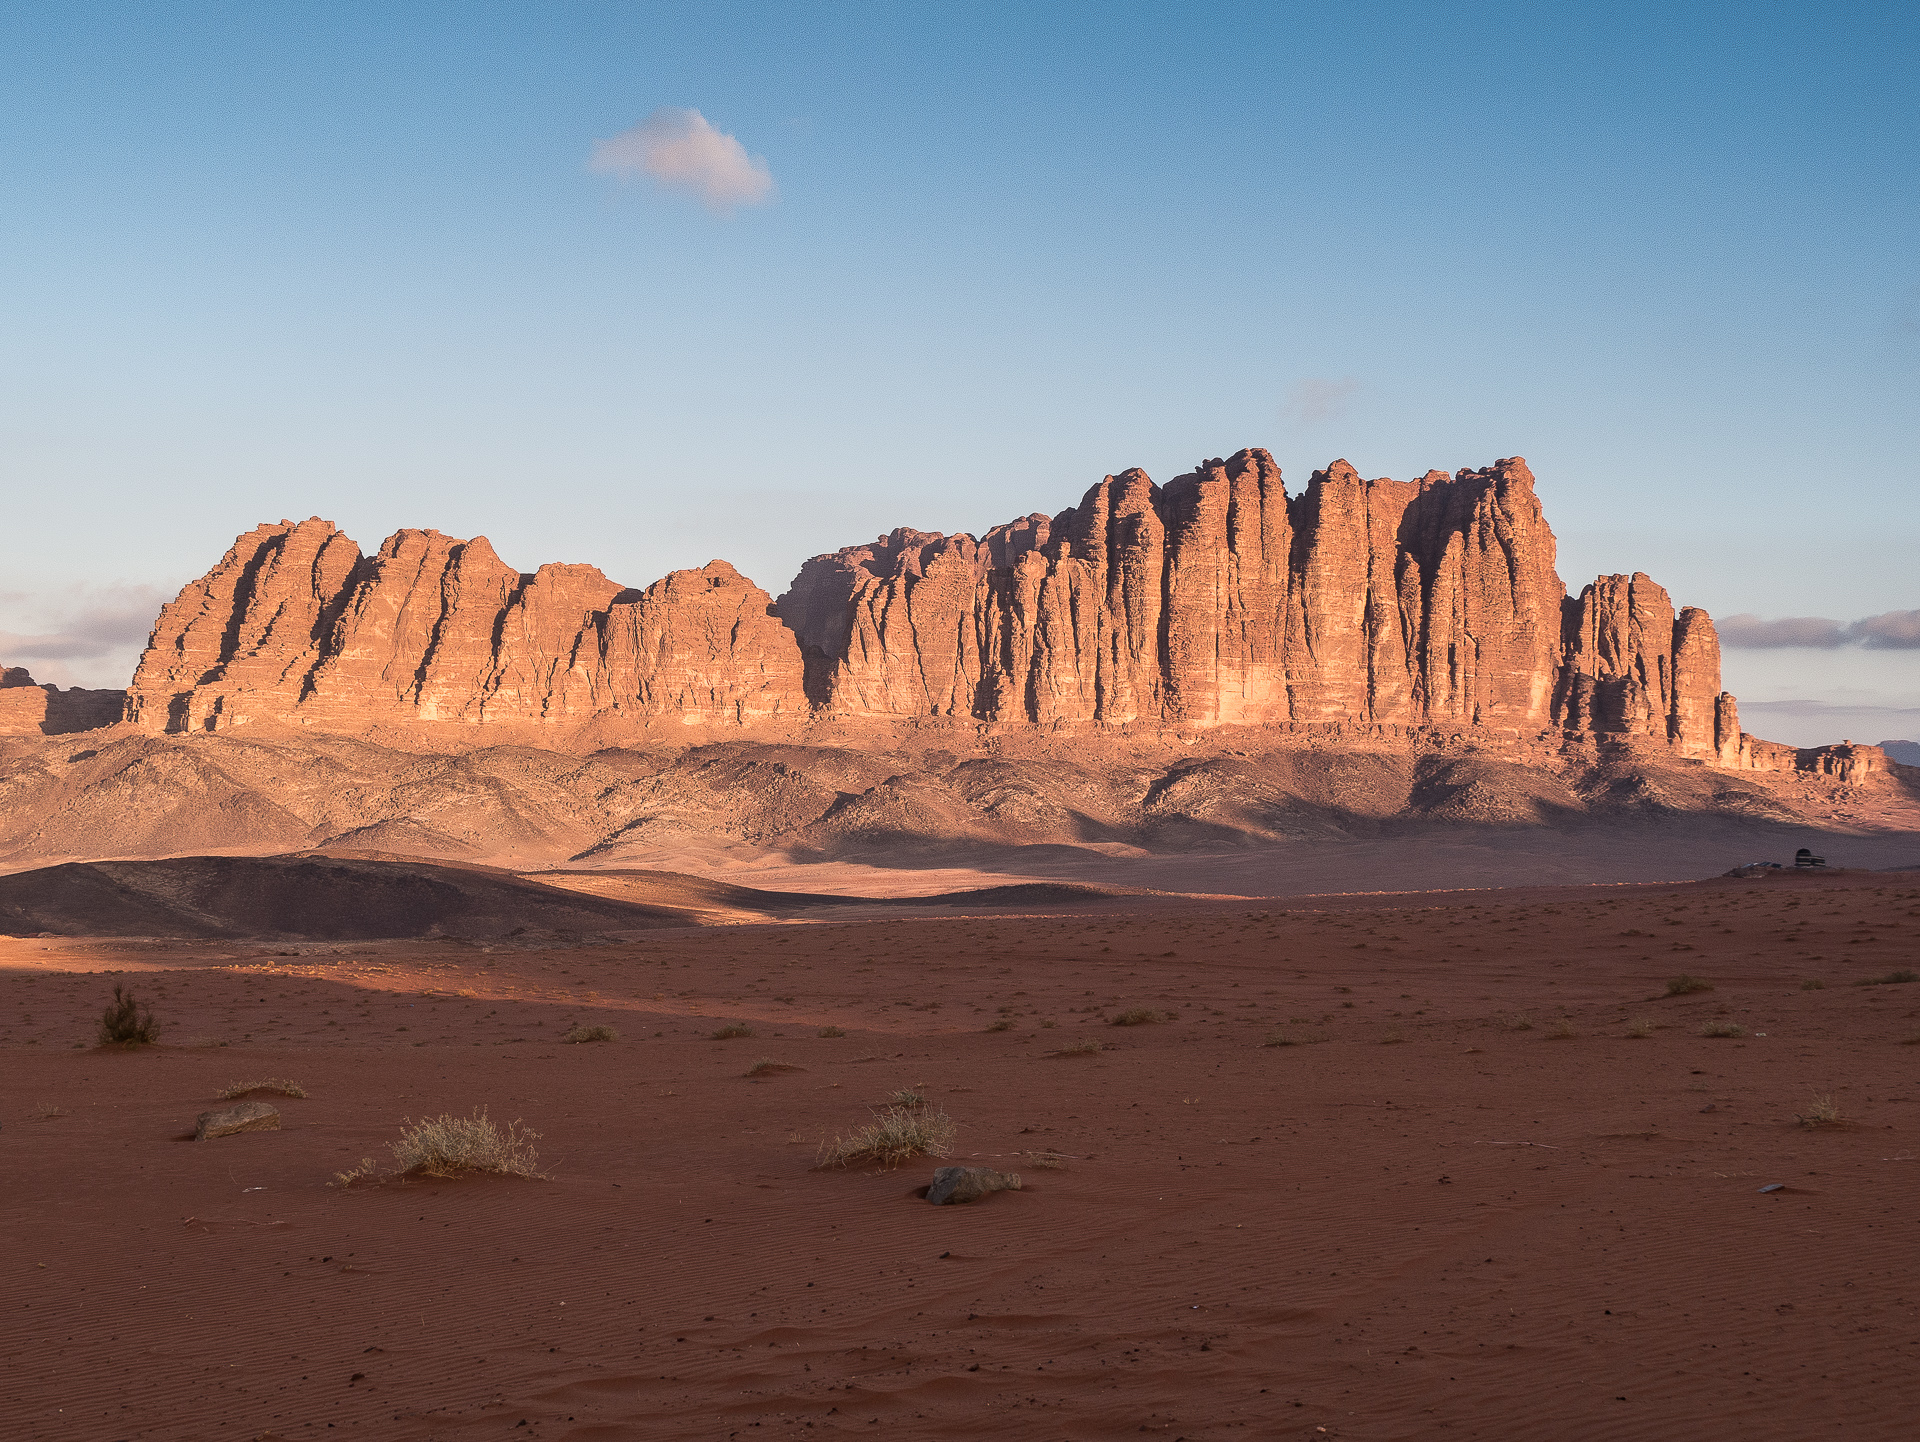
(1450, 1163)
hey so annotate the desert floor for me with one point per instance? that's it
(1433, 1213)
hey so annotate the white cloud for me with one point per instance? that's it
(1318, 399)
(680, 150)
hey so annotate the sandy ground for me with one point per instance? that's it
(1431, 1215)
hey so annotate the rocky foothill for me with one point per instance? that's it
(29, 709)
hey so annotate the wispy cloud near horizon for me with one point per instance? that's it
(679, 149)
(90, 636)
(1888, 631)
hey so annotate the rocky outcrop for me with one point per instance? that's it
(231, 1121)
(954, 1185)
(1633, 668)
(295, 625)
(1214, 600)
(29, 709)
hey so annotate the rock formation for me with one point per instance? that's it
(1214, 600)
(29, 709)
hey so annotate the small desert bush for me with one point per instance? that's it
(1684, 985)
(1081, 1048)
(895, 1135)
(1723, 1028)
(126, 1023)
(767, 1066)
(591, 1033)
(907, 1097)
(831, 1031)
(1139, 1016)
(356, 1176)
(1001, 1025)
(1892, 978)
(278, 1086)
(1394, 1035)
(1640, 1027)
(1820, 1112)
(47, 1111)
(1813, 986)
(1046, 1161)
(1281, 1038)
(450, 1146)
(732, 1030)
(1562, 1030)
(1520, 1021)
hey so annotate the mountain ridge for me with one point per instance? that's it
(1215, 600)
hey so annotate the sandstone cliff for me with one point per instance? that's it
(28, 709)
(1214, 600)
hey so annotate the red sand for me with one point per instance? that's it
(1481, 1231)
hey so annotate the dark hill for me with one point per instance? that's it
(313, 896)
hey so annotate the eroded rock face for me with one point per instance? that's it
(30, 709)
(1214, 600)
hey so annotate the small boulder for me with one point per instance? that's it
(966, 1184)
(246, 1117)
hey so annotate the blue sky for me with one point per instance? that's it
(355, 260)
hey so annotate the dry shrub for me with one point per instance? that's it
(1140, 1016)
(1722, 1028)
(1001, 1025)
(1820, 1112)
(361, 1175)
(581, 1034)
(450, 1146)
(732, 1030)
(1520, 1021)
(1562, 1030)
(126, 1023)
(277, 1086)
(1640, 1027)
(895, 1135)
(1813, 986)
(831, 1031)
(1684, 985)
(1281, 1038)
(1892, 978)
(907, 1097)
(1394, 1036)
(1046, 1161)
(767, 1066)
(47, 1111)
(1080, 1048)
